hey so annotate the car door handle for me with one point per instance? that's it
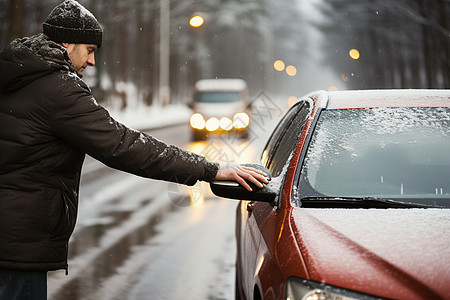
(250, 206)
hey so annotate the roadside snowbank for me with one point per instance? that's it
(149, 117)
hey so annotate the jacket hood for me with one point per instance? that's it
(27, 59)
(396, 253)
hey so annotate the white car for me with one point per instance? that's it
(219, 107)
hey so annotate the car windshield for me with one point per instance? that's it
(217, 97)
(387, 153)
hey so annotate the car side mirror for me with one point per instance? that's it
(233, 190)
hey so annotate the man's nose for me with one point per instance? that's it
(91, 59)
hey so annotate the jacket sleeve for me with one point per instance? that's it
(77, 119)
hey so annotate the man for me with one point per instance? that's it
(49, 120)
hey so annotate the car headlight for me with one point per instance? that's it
(300, 289)
(226, 124)
(241, 120)
(212, 124)
(197, 121)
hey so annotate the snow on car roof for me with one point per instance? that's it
(388, 98)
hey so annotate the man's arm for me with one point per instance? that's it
(80, 121)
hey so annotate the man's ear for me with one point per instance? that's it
(65, 45)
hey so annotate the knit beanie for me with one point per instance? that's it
(70, 22)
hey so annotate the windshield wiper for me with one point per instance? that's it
(357, 202)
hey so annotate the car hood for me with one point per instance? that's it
(393, 253)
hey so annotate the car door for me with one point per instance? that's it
(275, 157)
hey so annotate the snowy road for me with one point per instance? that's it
(193, 261)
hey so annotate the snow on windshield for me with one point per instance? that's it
(382, 152)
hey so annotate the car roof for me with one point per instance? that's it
(232, 84)
(386, 98)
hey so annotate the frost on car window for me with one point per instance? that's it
(386, 152)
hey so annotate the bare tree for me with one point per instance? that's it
(402, 43)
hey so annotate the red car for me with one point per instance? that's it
(358, 205)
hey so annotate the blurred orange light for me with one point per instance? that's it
(292, 100)
(291, 70)
(278, 65)
(354, 54)
(332, 88)
(196, 21)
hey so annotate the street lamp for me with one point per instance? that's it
(354, 54)
(164, 53)
(196, 69)
(196, 21)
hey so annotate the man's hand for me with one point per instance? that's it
(240, 174)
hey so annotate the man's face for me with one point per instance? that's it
(81, 55)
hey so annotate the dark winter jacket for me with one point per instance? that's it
(49, 120)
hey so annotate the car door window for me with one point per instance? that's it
(285, 137)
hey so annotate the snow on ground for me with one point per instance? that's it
(148, 117)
